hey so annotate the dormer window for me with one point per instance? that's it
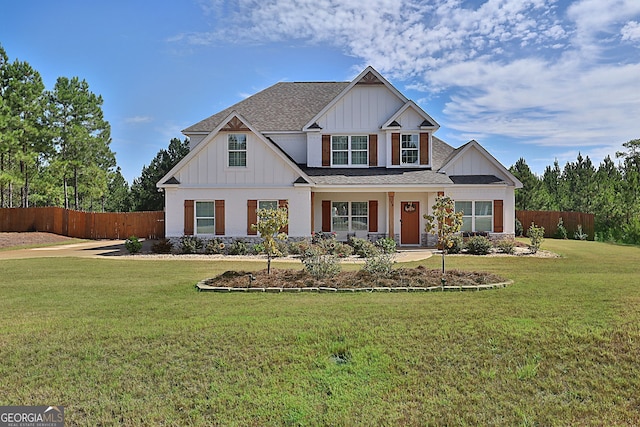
(237, 149)
(409, 149)
(349, 150)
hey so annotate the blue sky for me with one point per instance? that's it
(539, 79)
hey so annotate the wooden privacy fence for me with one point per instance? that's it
(549, 220)
(83, 225)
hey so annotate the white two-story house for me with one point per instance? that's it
(354, 158)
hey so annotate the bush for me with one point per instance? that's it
(312, 251)
(479, 245)
(298, 248)
(322, 266)
(163, 246)
(133, 245)
(561, 231)
(322, 235)
(215, 246)
(190, 244)
(387, 245)
(506, 246)
(457, 244)
(579, 234)
(239, 247)
(363, 248)
(536, 235)
(519, 228)
(380, 264)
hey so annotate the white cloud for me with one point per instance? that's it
(138, 120)
(631, 31)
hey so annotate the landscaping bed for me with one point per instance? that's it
(418, 278)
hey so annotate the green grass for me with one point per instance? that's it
(131, 343)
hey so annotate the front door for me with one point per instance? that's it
(410, 223)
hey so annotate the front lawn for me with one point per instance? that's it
(130, 342)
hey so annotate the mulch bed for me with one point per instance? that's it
(10, 239)
(402, 277)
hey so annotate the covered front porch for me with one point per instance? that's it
(373, 215)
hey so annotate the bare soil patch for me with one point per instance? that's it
(11, 239)
(402, 277)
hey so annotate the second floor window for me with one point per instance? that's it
(237, 147)
(409, 149)
(349, 150)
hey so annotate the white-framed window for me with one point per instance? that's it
(409, 149)
(237, 149)
(477, 215)
(350, 216)
(349, 150)
(205, 217)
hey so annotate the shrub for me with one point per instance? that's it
(561, 231)
(579, 234)
(190, 244)
(163, 246)
(215, 246)
(478, 245)
(457, 244)
(380, 264)
(322, 266)
(239, 247)
(133, 245)
(298, 248)
(519, 228)
(342, 250)
(312, 251)
(363, 248)
(506, 246)
(387, 245)
(536, 235)
(322, 235)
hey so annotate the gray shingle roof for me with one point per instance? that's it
(286, 106)
(476, 179)
(375, 176)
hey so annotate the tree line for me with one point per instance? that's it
(55, 148)
(611, 191)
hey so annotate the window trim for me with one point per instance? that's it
(236, 150)
(196, 231)
(417, 149)
(350, 151)
(473, 215)
(350, 216)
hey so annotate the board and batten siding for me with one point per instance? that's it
(473, 163)
(210, 166)
(490, 193)
(294, 144)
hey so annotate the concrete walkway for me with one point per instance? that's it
(114, 249)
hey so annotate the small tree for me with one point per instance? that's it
(445, 223)
(270, 222)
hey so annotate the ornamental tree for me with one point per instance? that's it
(444, 223)
(270, 222)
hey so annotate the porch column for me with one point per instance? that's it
(313, 217)
(391, 210)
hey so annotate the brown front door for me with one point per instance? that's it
(409, 223)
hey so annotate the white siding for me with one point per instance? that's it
(488, 193)
(294, 144)
(314, 149)
(474, 163)
(210, 166)
(236, 208)
(195, 140)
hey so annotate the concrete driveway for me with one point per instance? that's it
(91, 249)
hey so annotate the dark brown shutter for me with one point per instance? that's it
(284, 204)
(424, 148)
(219, 218)
(252, 216)
(395, 148)
(188, 218)
(326, 150)
(373, 216)
(373, 150)
(326, 215)
(498, 217)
